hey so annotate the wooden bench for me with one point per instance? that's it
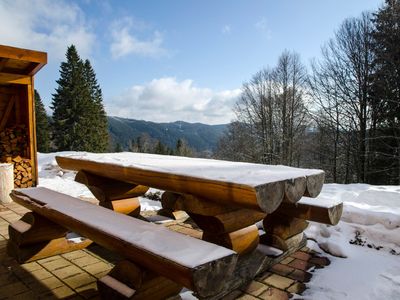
(158, 261)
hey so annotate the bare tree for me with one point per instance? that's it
(340, 84)
(271, 110)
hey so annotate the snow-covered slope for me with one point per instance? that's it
(365, 243)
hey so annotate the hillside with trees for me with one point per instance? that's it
(201, 138)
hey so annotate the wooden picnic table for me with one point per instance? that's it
(225, 199)
(255, 186)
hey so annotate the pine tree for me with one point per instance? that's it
(98, 120)
(182, 148)
(118, 148)
(79, 119)
(386, 95)
(42, 125)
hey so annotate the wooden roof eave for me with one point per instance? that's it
(36, 59)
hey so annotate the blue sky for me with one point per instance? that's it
(172, 60)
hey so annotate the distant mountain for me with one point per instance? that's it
(201, 137)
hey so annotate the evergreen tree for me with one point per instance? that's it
(385, 130)
(42, 125)
(78, 114)
(182, 148)
(118, 148)
(160, 148)
(98, 120)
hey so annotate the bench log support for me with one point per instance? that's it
(168, 200)
(130, 281)
(34, 237)
(113, 194)
(283, 232)
(231, 228)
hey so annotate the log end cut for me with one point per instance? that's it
(270, 196)
(212, 276)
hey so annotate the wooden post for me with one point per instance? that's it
(6, 182)
(229, 227)
(113, 194)
(34, 237)
(130, 281)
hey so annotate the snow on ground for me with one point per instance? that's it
(365, 243)
(367, 236)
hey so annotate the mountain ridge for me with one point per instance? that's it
(201, 137)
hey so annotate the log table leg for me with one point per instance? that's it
(232, 228)
(283, 232)
(34, 237)
(130, 281)
(113, 194)
(168, 200)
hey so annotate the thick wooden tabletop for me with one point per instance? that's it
(255, 186)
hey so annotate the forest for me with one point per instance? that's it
(342, 114)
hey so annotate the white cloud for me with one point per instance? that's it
(124, 42)
(166, 100)
(262, 26)
(45, 25)
(226, 29)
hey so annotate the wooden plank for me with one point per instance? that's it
(23, 54)
(7, 113)
(32, 131)
(145, 284)
(197, 265)
(107, 189)
(28, 253)
(32, 69)
(192, 204)
(14, 78)
(227, 222)
(32, 228)
(283, 226)
(242, 241)
(329, 214)
(221, 182)
(3, 62)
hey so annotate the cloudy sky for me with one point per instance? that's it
(172, 60)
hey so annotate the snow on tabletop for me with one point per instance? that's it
(226, 171)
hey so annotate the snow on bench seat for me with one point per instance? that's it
(196, 264)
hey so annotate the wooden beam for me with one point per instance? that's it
(283, 226)
(126, 277)
(3, 62)
(15, 78)
(7, 113)
(199, 266)
(327, 214)
(107, 189)
(33, 68)
(23, 54)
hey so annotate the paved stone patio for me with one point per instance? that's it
(73, 275)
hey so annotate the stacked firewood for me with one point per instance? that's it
(22, 171)
(14, 141)
(13, 149)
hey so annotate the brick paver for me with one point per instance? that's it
(73, 275)
(278, 281)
